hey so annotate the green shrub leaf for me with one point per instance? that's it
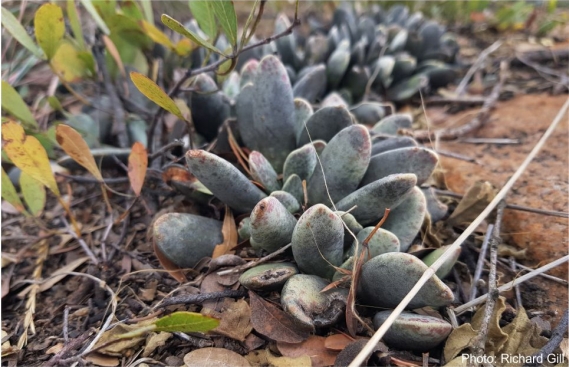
(13, 103)
(33, 192)
(75, 23)
(186, 322)
(179, 28)
(49, 28)
(154, 93)
(17, 31)
(225, 13)
(203, 13)
(9, 193)
(96, 17)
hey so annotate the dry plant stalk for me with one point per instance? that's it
(42, 251)
(368, 349)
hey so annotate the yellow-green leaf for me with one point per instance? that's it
(88, 4)
(75, 24)
(33, 192)
(68, 64)
(154, 93)
(17, 31)
(73, 144)
(155, 34)
(130, 9)
(9, 193)
(15, 105)
(147, 9)
(186, 322)
(179, 28)
(184, 47)
(225, 13)
(203, 14)
(49, 28)
(27, 154)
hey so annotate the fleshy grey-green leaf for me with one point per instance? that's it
(263, 172)
(325, 124)
(271, 224)
(225, 181)
(301, 161)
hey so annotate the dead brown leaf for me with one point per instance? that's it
(313, 347)
(214, 357)
(266, 358)
(153, 341)
(137, 165)
(274, 323)
(229, 231)
(473, 203)
(173, 269)
(337, 342)
(235, 319)
(102, 360)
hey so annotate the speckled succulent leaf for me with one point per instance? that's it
(317, 49)
(393, 142)
(318, 241)
(311, 86)
(447, 266)
(344, 162)
(385, 65)
(406, 219)
(293, 185)
(268, 277)
(374, 198)
(337, 64)
(300, 161)
(287, 200)
(430, 34)
(391, 124)
(244, 229)
(386, 279)
(209, 108)
(368, 113)
(248, 72)
(439, 74)
(319, 145)
(420, 333)
(437, 210)
(285, 45)
(232, 85)
(405, 65)
(244, 112)
(273, 111)
(263, 172)
(418, 160)
(302, 298)
(225, 181)
(396, 14)
(271, 224)
(399, 41)
(302, 112)
(353, 226)
(381, 242)
(333, 99)
(344, 16)
(325, 123)
(407, 88)
(186, 238)
(356, 81)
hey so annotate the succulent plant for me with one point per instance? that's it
(352, 174)
(404, 50)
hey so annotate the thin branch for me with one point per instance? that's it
(525, 268)
(251, 264)
(477, 64)
(369, 347)
(82, 179)
(508, 286)
(480, 263)
(201, 298)
(83, 244)
(552, 344)
(476, 123)
(510, 206)
(480, 341)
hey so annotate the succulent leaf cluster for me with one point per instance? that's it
(324, 181)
